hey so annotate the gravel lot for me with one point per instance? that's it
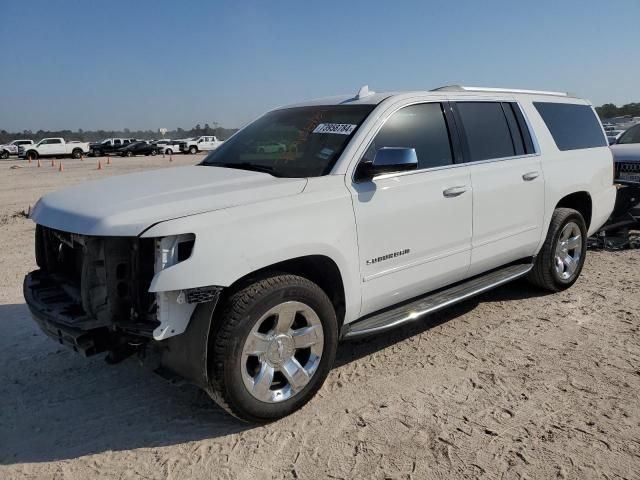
(515, 384)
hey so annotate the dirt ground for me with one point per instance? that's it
(515, 384)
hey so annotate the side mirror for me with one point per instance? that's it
(387, 160)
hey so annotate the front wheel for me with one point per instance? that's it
(193, 150)
(4, 155)
(129, 154)
(560, 261)
(154, 153)
(168, 151)
(76, 154)
(32, 155)
(274, 345)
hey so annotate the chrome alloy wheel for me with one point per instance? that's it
(568, 251)
(282, 352)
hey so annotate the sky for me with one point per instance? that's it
(150, 64)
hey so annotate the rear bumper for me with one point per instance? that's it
(54, 311)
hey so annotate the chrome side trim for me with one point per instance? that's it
(455, 165)
(434, 302)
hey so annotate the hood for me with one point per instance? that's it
(629, 152)
(129, 204)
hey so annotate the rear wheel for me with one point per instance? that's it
(168, 151)
(129, 154)
(273, 347)
(154, 153)
(4, 154)
(560, 261)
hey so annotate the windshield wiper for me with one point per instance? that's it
(245, 166)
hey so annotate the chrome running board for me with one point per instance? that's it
(414, 310)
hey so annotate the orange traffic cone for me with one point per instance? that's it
(108, 160)
(171, 158)
(99, 165)
(29, 158)
(38, 163)
(81, 158)
(61, 167)
(53, 164)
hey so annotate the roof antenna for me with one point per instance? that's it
(364, 92)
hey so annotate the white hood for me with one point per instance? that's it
(127, 205)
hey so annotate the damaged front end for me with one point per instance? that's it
(91, 293)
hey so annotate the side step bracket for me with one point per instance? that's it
(416, 309)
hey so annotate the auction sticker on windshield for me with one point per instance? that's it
(336, 128)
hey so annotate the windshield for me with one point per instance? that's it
(630, 136)
(293, 142)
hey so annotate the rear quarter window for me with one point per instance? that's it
(572, 127)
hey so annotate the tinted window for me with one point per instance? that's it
(486, 130)
(572, 126)
(421, 127)
(631, 136)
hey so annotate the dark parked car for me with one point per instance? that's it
(138, 148)
(108, 146)
(626, 154)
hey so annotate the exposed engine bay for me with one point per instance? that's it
(92, 294)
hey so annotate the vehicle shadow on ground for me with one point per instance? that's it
(358, 348)
(57, 405)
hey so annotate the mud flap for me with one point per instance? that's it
(186, 354)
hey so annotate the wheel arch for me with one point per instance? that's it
(320, 269)
(579, 201)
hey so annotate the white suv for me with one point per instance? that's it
(246, 270)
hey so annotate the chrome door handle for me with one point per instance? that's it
(454, 191)
(527, 177)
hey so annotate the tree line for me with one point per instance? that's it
(97, 135)
(609, 110)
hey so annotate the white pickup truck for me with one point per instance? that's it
(12, 148)
(53, 147)
(204, 143)
(246, 270)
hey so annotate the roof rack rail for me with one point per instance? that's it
(460, 88)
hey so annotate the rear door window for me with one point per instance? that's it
(572, 127)
(486, 131)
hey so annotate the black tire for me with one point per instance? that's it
(77, 153)
(154, 153)
(4, 155)
(31, 155)
(129, 154)
(97, 153)
(193, 149)
(239, 314)
(168, 151)
(544, 273)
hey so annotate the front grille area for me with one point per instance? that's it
(627, 173)
(628, 167)
(88, 283)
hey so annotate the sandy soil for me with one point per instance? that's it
(515, 384)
